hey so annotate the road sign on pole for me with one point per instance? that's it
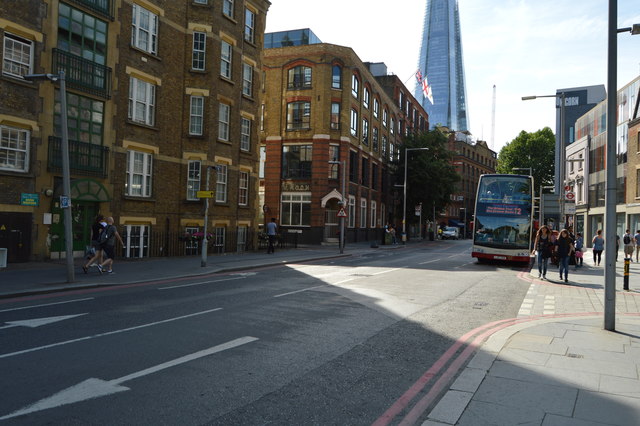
(205, 194)
(342, 213)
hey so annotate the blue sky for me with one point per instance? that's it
(524, 47)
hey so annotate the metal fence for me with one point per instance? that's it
(164, 244)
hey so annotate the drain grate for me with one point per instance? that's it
(575, 356)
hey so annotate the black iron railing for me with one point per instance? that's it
(82, 74)
(85, 159)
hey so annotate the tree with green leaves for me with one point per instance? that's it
(535, 150)
(431, 176)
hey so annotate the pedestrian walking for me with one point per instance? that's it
(572, 236)
(637, 239)
(542, 246)
(109, 246)
(564, 243)
(598, 247)
(579, 244)
(629, 244)
(96, 229)
(272, 232)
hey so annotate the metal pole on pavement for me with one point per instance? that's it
(611, 175)
(66, 169)
(205, 240)
(404, 190)
(344, 202)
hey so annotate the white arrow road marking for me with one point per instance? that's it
(108, 333)
(95, 388)
(37, 322)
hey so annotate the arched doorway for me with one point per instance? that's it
(86, 196)
(331, 204)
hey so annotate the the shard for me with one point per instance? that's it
(442, 65)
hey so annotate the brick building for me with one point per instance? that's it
(324, 108)
(471, 159)
(158, 92)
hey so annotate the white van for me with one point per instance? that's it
(451, 233)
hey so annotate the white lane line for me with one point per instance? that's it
(430, 261)
(300, 291)
(108, 333)
(96, 388)
(389, 270)
(46, 304)
(202, 283)
(343, 281)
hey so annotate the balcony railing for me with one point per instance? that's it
(82, 74)
(100, 7)
(85, 159)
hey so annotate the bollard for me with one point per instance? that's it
(627, 262)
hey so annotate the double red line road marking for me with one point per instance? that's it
(455, 357)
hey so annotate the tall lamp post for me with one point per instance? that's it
(342, 203)
(562, 165)
(464, 235)
(65, 198)
(404, 190)
(611, 172)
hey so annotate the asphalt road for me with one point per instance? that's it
(342, 342)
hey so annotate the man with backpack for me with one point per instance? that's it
(629, 244)
(108, 242)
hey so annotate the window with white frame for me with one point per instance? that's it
(219, 238)
(249, 25)
(142, 99)
(199, 49)
(14, 149)
(245, 134)
(392, 127)
(352, 212)
(363, 213)
(354, 122)
(224, 114)
(191, 245)
(365, 131)
(376, 107)
(375, 142)
(139, 171)
(334, 158)
(299, 77)
(241, 243)
(144, 33)
(226, 53)
(221, 183)
(335, 115)
(336, 77)
(17, 58)
(298, 115)
(296, 209)
(243, 188)
(263, 159)
(385, 117)
(196, 115)
(355, 86)
(373, 214)
(366, 97)
(193, 179)
(247, 79)
(136, 241)
(227, 8)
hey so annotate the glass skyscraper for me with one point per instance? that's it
(441, 64)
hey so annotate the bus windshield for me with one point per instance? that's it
(503, 212)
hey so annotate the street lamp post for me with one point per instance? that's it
(65, 199)
(562, 165)
(611, 172)
(464, 228)
(342, 203)
(404, 190)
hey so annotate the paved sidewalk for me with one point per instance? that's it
(22, 279)
(555, 364)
